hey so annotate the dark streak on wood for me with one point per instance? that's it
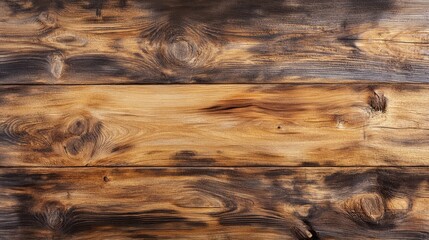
(211, 42)
(300, 203)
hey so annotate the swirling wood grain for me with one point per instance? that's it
(214, 125)
(227, 41)
(216, 203)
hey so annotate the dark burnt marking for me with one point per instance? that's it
(373, 7)
(97, 5)
(190, 158)
(361, 12)
(21, 178)
(97, 64)
(64, 221)
(220, 12)
(270, 107)
(122, 3)
(227, 107)
(252, 220)
(378, 102)
(25, 66)
(386, 182)
(274, 173)
(35, 6)
(121, 148)
(350, 41)
(310, 164)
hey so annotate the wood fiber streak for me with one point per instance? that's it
(217, 203)
(214, 125)
(226, 41)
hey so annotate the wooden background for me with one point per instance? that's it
(228, 119)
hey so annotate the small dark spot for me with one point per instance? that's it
(106, 179)
(378, 102)
(279, 127)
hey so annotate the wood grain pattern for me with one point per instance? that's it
(214, 125)
(217, 203)
(227, 41)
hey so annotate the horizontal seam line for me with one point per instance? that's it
(345, 83)
(208, 168)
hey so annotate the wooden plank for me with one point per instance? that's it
(220, 203)
(214, 125)
(226, 41)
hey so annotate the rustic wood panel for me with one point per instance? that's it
(214, 125)
(166, 41)
(216, 203)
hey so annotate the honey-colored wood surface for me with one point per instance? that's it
(305, 119)
(226, 41)
(214, 125)
(216, 203)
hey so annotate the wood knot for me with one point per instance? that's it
(79, 136)
(180, 45)
(67, 39)
(53, 215)
(368, 208)
(74, 146)
(78, 127)
(47, 19)
(378, 102)
(182, 51)
(106, 179)
(56, 62)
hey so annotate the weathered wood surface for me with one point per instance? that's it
(165, 41)
(214, 125)
(216, 203)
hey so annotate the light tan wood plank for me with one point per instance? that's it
(220, 203)
(164, 41)
(214, 125)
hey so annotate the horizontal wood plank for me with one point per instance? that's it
(227, 41)
(214, 125)
(217, 203)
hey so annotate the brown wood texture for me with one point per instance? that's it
(306, 119)
(214, 125)
(226, 41)
(216, 203)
